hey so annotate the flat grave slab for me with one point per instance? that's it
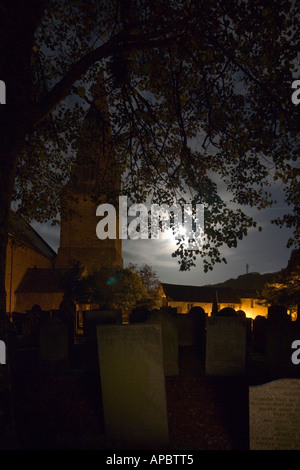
(133, 384)
(274, 415)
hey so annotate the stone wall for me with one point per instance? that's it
(79, 242)
(48, 301)
(18, 260)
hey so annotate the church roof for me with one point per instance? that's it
(37, 280)
(248, 293)
(24, 233)
(205, 294)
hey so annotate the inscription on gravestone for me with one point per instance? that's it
(133, 384)
(274, 415)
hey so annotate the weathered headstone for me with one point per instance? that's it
(92, 318)
(53, 344)
(225, 346)
(185, 325)
(169, 340)
(133, 385)
(274, 415)
(280, 334)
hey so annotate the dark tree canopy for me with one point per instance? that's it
(285, 288)
(198, 91)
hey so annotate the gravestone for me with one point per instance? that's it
(67, 314)
(91, 319)
(226, 312)
(225, 346)
(32, 326)
(199, 329)
(259, 334)
(133, 385)
(280, 334)
(278, 313)
(169, 340)
(53, 344)
(139, 314)
(274, 415)
(241, 313)
(185, 324)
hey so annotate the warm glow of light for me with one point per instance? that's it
(253, 313)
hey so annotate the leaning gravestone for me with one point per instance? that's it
(225, 346)
(274, 415)
(169, 340)
(133, 384)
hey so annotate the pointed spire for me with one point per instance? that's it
(215, 304)
(94, 162)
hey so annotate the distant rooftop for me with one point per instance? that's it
(205, 294)
(24, 233)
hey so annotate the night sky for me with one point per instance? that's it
(263, 251)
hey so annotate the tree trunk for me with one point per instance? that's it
(18, 23)
(8, 160)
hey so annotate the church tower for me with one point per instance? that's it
(95, 179)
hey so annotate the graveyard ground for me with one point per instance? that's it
(61, 409)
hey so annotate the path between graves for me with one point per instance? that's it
(60, 410)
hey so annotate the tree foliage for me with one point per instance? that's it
(110, 288)
(151, 282)
(199, 93)
(285, 290)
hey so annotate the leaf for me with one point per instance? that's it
(81, 91)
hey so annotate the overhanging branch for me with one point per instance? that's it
(120, 43)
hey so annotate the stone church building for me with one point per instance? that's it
(34, 272)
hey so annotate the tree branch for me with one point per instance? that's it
(121, 43)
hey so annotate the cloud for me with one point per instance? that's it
(263, 251)
(49, 233)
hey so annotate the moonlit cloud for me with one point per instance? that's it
(49, 233)
(263, 251)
